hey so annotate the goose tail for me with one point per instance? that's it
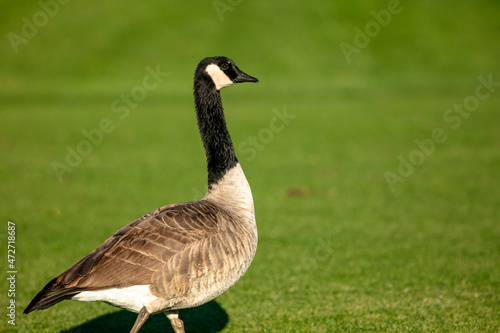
(50, 295)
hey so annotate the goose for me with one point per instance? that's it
(182, 255)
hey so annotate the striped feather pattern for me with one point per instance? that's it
(183, 255)
(188, 253)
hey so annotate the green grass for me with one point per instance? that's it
(339, 251)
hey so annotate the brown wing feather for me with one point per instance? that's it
(134, 253)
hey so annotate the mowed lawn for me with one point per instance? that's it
(375, 173)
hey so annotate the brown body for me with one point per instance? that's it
(183, 255)
(186, 254)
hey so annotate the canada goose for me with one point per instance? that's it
(183, 255)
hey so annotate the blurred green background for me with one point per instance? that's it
(360, 228)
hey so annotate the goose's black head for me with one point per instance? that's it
(222, 72)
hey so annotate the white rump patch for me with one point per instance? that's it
(220, 79)
(130, 298)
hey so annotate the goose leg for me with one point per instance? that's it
(141, 319)
(177, 324)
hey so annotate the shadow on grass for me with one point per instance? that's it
(207, 318)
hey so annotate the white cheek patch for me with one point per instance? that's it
(220, 79)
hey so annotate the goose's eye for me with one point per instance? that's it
(224, 66)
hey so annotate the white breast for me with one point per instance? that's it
(233, 193)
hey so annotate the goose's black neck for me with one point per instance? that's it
(212, 124)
